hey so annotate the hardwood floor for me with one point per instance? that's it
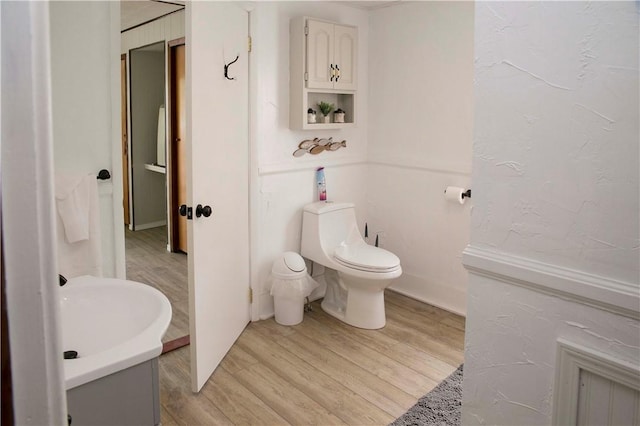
(149, 262)
(321, 371)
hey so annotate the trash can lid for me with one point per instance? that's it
(289, 265)
(294, 261)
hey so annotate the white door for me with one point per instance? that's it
(218, 149)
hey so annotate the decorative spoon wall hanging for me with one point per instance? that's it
(317, 145)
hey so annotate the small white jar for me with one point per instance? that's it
(311, 116)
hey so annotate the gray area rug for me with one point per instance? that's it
(439, 407)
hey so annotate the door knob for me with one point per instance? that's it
(203, 211)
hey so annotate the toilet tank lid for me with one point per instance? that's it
(321, 207)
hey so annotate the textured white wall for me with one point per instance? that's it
(556, 137)
(555, 172)
(285, 183)
(421, 108)
(510, 349)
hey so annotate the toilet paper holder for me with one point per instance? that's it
(465, 194)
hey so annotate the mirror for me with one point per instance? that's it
(147, 102)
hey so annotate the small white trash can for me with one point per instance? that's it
(290, 284)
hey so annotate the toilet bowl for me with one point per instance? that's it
(356, 273)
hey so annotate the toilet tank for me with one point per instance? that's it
(326, 225)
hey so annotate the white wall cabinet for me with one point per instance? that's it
(323, 65)
(331, 55)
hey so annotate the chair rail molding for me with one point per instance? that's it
(593, 290)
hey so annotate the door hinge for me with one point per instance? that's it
(250, 44)
(306, 76)
(306, 30)
(250, 296)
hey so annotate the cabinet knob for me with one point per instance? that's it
(333, 72)
(337, 73)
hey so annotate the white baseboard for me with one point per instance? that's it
(601, 292)
(442, 296)
(452, 300)
(150, 225)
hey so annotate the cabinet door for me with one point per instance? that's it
(346, 56)
(320, 53)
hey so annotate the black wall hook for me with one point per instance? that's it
(226, 68)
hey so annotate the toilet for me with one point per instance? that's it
(356, 273)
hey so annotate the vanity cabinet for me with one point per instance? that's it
(126, 397)
(323, 68)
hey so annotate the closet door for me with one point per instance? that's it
(345, 56)
(320, 51)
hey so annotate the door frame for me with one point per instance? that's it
(172, 178)
(124, 137)
(254, 182)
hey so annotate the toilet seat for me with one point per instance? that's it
(364, 257)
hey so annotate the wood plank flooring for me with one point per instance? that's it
(149, 262)
(321, 371)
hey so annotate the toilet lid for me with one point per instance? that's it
(367, 258)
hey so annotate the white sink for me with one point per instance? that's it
(112, 324)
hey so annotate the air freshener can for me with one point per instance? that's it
(321, 184)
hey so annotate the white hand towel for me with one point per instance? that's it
(78, 225)
(72, 201)
(160, 153)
